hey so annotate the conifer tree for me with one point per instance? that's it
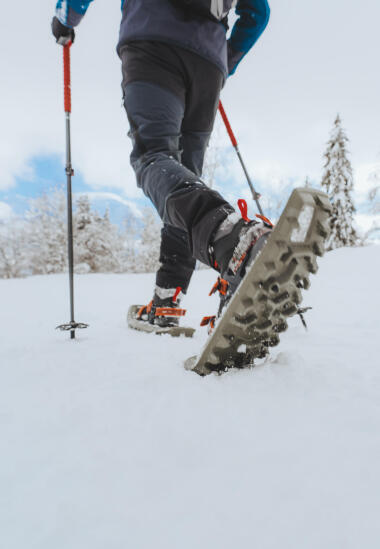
(338, 183)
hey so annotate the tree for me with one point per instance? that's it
(148, 247)
(374, 200)
(98, 245)
(46, 239)
(338, 183)
(13, 260)
(374, 194)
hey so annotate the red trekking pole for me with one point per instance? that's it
(72, 325)
(234, 142)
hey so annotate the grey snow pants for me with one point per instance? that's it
(170, 135)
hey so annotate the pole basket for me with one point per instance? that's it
(72, 326)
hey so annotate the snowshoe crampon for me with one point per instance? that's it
(144, 326)
(271, 290)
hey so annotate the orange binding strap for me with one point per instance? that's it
(220, 286)
(209, 321)
(176, 294)
(169, 311)
(265, 219)
(243, 207)
(206, 320)
(145, 309)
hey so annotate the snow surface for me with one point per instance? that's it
(107, 442)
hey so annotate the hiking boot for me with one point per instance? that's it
(237, 243)
(164, 309)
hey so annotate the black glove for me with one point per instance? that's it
(63, 34)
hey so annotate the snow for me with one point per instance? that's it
(107, 441)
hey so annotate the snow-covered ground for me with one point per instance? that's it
(107, 442)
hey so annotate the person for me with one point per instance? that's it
(175, 61)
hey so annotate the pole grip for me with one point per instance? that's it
(67, 77)
(228, 125)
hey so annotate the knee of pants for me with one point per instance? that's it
(155, 115)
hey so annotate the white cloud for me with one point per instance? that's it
(6, 211)
(104, 196)
(281, 102)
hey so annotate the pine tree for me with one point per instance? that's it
(338, 183)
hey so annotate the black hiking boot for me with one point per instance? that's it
(164, 309)
(235, 251)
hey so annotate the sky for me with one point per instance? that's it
(314, 60)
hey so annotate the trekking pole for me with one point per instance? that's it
(72, 325)
(234, 142)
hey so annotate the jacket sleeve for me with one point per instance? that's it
(70, 12)
(253, 17)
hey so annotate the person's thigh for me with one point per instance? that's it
(202, 100)
(155, 116)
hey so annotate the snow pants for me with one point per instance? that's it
(171, 108)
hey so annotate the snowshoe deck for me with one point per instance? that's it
(271, 289)
(144, 326)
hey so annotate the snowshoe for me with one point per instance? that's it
(262, 287)
(161, 315)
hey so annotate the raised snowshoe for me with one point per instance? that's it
(161, 315)
(262, 283)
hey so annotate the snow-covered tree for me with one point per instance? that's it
(46, 237)
(338, 183)
(13, 259)
(148, 247)
(98, 245)
(374, 201)
(374, 194)
(38, 243)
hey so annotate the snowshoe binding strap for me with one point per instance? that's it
(243, 207)
(265, 220)
(176, 294)
(160, 311)
(220, 286)
(209, 321)
(144, 310)
(169, 311)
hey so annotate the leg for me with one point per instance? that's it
(182, 200)
(177, 262)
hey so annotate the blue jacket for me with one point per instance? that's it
(161, 20)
